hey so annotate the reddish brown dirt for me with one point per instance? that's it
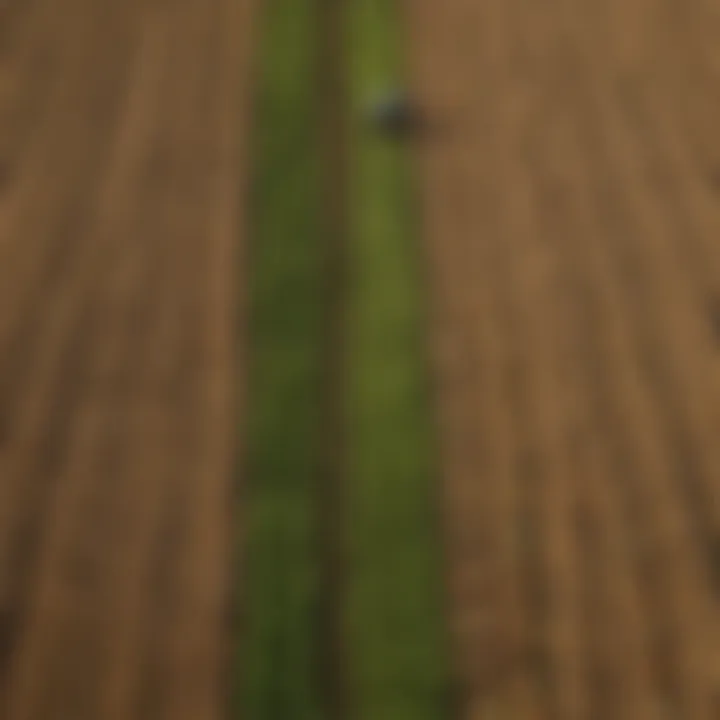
(121, 147)
(573, 223)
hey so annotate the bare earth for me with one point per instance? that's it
(572, 207)
(121, 146)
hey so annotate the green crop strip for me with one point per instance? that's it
(395, 594)
(392, 584)
(277, 656)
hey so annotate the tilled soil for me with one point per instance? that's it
(121, 173)
(573, 227)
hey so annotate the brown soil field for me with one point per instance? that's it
(572, 214)
(121, 172)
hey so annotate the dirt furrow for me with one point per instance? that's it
(119, 244)
(32, 63)
(195, 650)
(485, 597)
(624, 666)
(35, 442)
(35, 272)
(592, 270)
(671, 532)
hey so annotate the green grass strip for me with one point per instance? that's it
(397, 636)
(277, 657)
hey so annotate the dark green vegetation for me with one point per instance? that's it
(280, 581)
(394, 634)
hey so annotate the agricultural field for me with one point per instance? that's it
(123, 129)
(303, 421)
(571, 217)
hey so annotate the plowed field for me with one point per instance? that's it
(121, 172)
(570, 196)
(572, 214)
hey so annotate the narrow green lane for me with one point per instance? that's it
(395, 641)
(397, 633)
(277, 646)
